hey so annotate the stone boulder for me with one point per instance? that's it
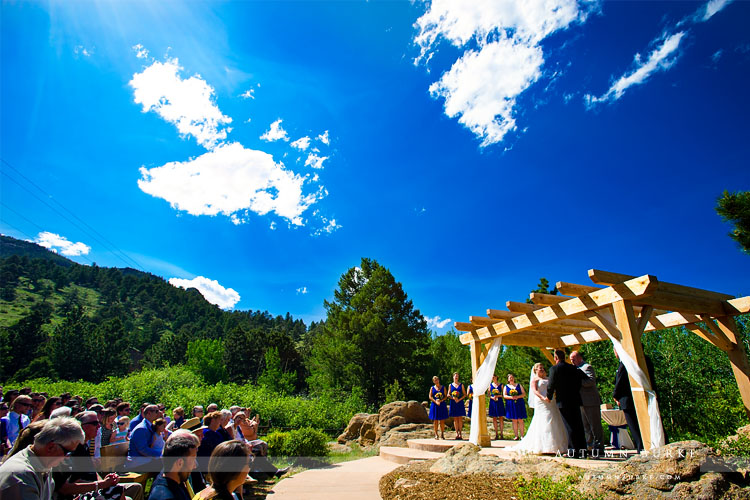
(398, 436)
(686, 469)
(465, 459)
(369, 428)
(351, 433)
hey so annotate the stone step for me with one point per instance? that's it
(405, 455)
(443, 445)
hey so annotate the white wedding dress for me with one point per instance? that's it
(546, 432)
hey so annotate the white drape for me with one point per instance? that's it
(480, 384)
(654, 417)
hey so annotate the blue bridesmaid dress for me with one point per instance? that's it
(497, 408)
(515, 408)
(470, 397)
(438, 411)
(457, 409)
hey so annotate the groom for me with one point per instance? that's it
(565, 383)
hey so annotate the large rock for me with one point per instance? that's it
(398, 436)
(351, 433)
(402, 412)
(465, 459)
(369, 428)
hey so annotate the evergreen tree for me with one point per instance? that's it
(735, 208)
(371, 337)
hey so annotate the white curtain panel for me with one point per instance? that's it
(654, 416)
(480, 384)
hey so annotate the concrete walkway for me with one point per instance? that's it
(356, 479)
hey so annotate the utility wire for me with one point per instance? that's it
(31, 238)
(90, 231)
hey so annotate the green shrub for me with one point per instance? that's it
(394, 392)
(305, 442)
(544, 488)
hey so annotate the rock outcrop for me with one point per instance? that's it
(369, 428)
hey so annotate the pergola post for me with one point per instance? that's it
(477, 358)
(738, 358)
(631, 342)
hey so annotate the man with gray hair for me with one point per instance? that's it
(591, 413)
(26, 475)
(179, 460)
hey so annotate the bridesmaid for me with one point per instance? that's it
(497, 406)
(516, 406)
(438, 408)
(470, 399)
(457, 410)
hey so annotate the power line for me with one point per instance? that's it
(93, 233)
(31, 238)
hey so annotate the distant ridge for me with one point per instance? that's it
(12, 246)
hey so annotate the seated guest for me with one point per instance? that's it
(141, 453)
(91, 402)
(123, 410)
(27, 436)
(120, 434)
(37, 401)
(26, 475)
(179, 418)
(49, 406)
(17, 419)
(226, 428)
(64, 398)
(211, 435)
(81, 476)
(139, 418)
(160, 434)
(212, 407)
(179, 461)
(198, 413)
(107, 416)
(4, 442)
(63, 411)
(10, 396)
(247, 429)
(227, 471)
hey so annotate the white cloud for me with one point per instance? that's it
(140, 51)
(81, 50)
(482, 86)
(61, 244)
(712, 7)
(211, 290)
(324, 138)
(302, 143)
(315, 161)
(275, 132)
(302, 290)
(248, 94)
(230, 180)
(328, 227)
(272, 226)
(436, 322)
(660, 59)
(188, 103)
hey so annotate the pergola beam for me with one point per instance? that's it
(629, 290)
(608, 279)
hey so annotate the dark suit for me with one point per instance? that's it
(624, 397)
(565, 384)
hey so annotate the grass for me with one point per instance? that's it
(28, 296)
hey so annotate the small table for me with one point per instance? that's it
(618, 428)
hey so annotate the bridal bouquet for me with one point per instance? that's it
(455, 394)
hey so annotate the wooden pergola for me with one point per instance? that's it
(619, 305)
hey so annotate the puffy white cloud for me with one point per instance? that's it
(482, 86)
(187, 103)
(61, 244)
(436, 322)
(248, 94)
(328, 226)
(211, 290)
(315, 161)
(302, 291)
(324, 138)
(275, 132)
(712, 7)
(230, 180)
(140, 51)
(302, 143)
(660, 59)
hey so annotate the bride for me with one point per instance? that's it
(547, 432)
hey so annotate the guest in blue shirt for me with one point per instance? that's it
(141, 451)
(139, 418)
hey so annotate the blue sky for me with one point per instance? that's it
(257, 150)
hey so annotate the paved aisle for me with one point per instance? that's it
(356, 479)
